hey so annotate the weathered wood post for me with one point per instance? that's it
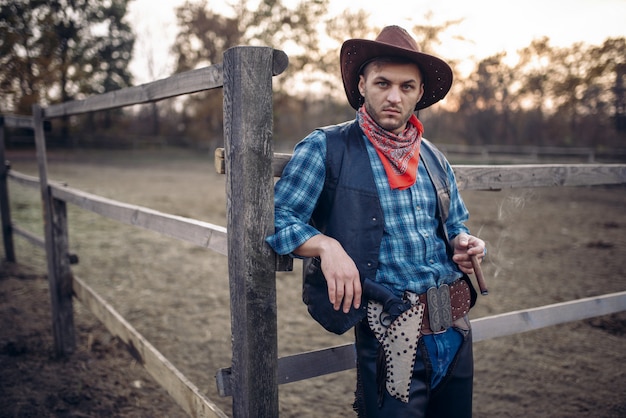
(248, 145)
(57, 254)
(5, 207)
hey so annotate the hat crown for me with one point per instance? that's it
(398, 37)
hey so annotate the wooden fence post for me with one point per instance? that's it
(5, 207)
(57, 254)
(250, 213)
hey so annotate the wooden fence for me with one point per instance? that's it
(250, 166)
(532, 153)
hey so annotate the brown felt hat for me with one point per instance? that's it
(393, 41)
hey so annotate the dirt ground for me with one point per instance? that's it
(546, 246)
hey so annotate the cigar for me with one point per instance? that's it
(479, 275)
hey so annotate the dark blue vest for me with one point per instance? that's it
(349, 210)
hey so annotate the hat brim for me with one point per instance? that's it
(436, 73)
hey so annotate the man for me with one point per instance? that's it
(374, 210)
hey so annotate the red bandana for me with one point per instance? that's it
(398, 153)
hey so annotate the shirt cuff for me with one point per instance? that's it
(288, 239)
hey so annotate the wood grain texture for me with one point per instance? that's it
(250, 217)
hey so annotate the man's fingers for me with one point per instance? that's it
(347, 299)
(331, 293)
(358, 292)
(339, 296)
(343, 294)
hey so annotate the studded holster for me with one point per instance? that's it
(399, 343)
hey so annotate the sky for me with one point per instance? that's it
(488, 26)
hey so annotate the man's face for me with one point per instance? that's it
(391, 91)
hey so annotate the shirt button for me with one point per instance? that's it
(369, 264)
(374, 219)
(431, 261)
(418, 208)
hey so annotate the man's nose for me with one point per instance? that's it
(394, 95)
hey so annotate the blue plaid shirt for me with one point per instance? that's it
(412, 256)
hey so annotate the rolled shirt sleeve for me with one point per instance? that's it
(296, 194)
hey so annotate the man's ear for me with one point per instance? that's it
(421, 92)
(362, 86)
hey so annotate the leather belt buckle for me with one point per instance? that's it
(439, 308)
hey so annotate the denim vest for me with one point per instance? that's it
(349, 210)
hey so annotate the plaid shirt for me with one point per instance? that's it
(412, 255)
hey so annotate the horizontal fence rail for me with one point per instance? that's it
(189, 82)
(520, 150)
(515, 149)
(17, 121)
(179, 84)
(203, 234)
(534, 152)
(343, 357)
(22, 122)
(496, 177)
(29, 236)
(200, 233)
(24, 179)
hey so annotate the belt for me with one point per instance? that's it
(437, 318)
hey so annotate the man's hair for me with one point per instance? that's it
(387, 60)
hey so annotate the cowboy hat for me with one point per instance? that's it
(393, 41)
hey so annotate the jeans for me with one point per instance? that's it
(441, 350)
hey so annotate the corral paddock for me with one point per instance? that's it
(546, 245)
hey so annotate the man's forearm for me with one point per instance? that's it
(316, 246)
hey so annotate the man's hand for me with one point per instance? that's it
(465, 246)
(342, 276)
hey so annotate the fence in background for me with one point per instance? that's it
(532, 153)
(250, 165)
